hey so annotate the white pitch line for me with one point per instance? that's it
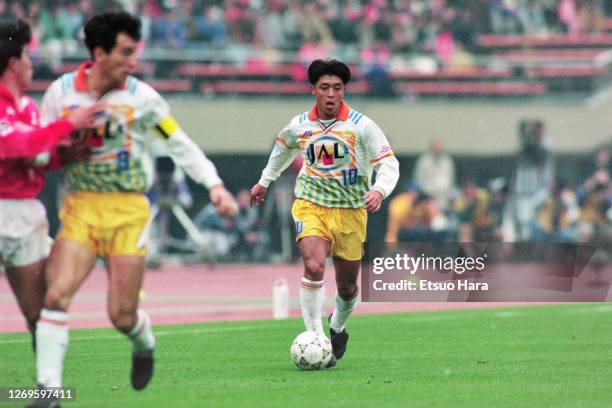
(593, 309)
(507, 314)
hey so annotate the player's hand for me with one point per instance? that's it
(223, 201)
(84, 117)
(373, 199)
(258, 194)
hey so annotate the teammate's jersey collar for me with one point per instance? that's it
(80, 82)
(343, 112)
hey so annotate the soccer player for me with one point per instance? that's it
(24, 230)
(333, 192)
(106, 213)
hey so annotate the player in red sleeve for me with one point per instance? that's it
(24, 238)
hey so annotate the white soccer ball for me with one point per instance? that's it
(311, 351)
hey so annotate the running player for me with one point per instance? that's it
(106, 213)
(24, 230)
(341, 147)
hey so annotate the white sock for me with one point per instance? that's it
(141, 335)
(51, 345)
(343, 310)
(312, 298)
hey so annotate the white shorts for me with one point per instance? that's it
(24, 232)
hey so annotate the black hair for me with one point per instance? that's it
(102, 29)
(320, 67)
(15, 34)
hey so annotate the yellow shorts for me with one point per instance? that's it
(109, 223)
(344, 228)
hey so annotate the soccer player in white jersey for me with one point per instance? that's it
(106, 213)
(341, 147)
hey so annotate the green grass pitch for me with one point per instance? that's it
(545, 356)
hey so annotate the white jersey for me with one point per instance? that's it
(339, 157)
(134, 116)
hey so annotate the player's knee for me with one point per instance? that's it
(314, 269)
(347, 290)
(56, 299)
(123, 320)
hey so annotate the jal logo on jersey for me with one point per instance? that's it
(328, 153)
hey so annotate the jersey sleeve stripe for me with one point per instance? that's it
(281, 141)
(389, 154)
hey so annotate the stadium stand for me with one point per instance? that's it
(425, 48)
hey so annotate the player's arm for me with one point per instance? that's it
(192, 160)
(385, 164)
(284, 152)
(15, 143)
(59, 127)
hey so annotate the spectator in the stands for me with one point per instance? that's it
(435, 173)
(590, 15)
(558, 216)
(504, 18)
(568, 16)
(344, 23)
(210, 26)
(72, 19)
(531, 16)
(271, 25)
(56, 40)
(169, 30)
(314, 28)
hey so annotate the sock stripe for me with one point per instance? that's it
(311, 286)
(43, 320)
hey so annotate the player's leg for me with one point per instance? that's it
(125, 281)
(124, 249)
(314, 252)
(28, 285)
(24, 248)
(314, 243)
(346, 300)
(68, 266)
(349, 227)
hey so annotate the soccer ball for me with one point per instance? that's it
(311, 351)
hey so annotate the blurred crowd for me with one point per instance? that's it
(532, 204)
(370, 29)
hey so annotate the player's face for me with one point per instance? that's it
(329, 92)
(121, 60)
(24, 70)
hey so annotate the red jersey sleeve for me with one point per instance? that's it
(15, 143)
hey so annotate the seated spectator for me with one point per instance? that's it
(210, 26)
(399, 209)
(594, 219)
(557, 217)
(56, 40)
(251, 240)
(424, 222)
(476, 224)
(531, 16)
(169, 31)
(217, 231)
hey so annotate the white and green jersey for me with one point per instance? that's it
(134, 116)
(339, 156)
